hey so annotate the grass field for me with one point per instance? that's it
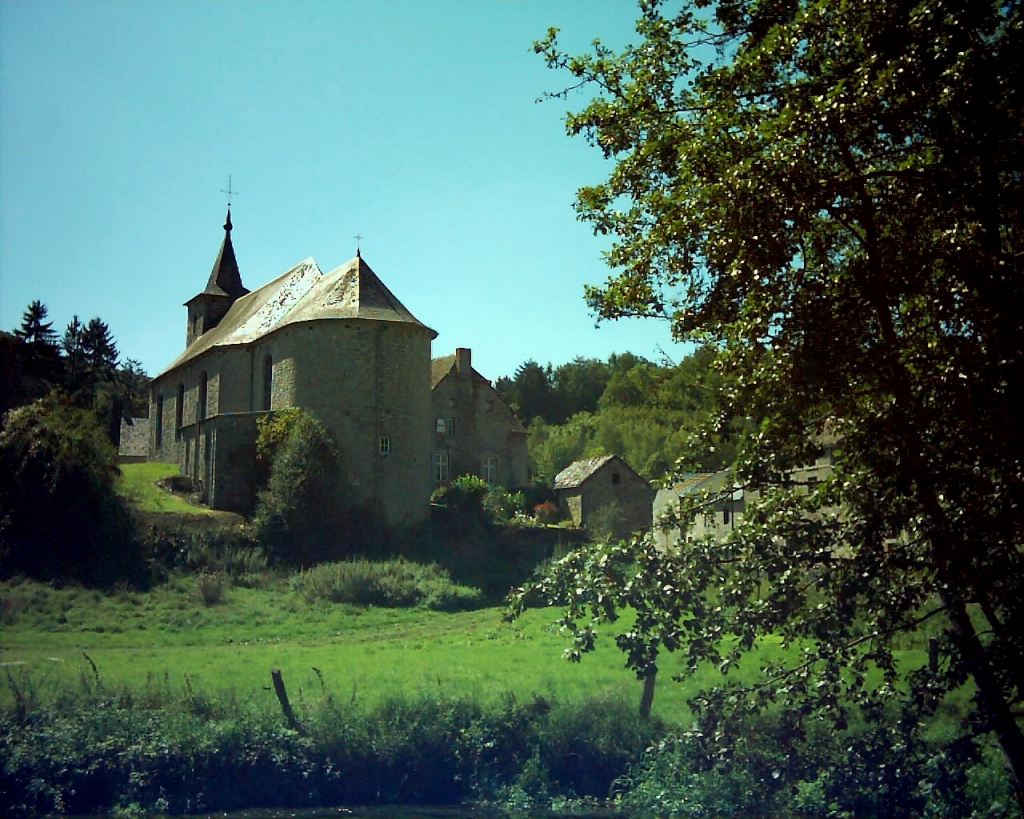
(366, 653)
(139, 483)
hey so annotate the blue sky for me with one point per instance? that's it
(414, 124)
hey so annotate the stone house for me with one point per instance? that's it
(474, 431)
(589, 488)
(723, 508)
(339, 344)
(724, 502)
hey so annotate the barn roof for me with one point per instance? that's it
(576, 473)
(301, 294)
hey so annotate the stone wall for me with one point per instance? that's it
(612, 484)
(470, 423)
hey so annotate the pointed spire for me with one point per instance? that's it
(224, 278)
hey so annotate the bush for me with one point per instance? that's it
(60, 514)
(298, 516)
(209, 588)
(396, 583)
(546, 512)
(473, 498)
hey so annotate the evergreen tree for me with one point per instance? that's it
(35, 330)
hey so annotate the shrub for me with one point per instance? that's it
(298, 516)
(546, 512)
(60, 514)
(396, 583)
(473, 498)
(209, 588)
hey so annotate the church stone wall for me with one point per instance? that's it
(368, 381)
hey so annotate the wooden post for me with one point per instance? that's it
(282, 697)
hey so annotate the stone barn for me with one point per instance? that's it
(338, 344)
(605, 490)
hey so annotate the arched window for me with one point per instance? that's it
(159, 421)
(179, 412)
(268, 382)
(204, 382)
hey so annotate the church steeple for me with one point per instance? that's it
(225, 280)
(224, 287)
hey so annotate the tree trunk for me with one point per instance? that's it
(647, 697)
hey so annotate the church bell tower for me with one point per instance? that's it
(206, 309)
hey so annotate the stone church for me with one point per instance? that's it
(338, 344)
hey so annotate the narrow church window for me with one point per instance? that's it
(268, 382)
(440, 427)
(440, 467)
(489, 468)
(449, 426)
(159, 421)
(615, 477)
(203, 389)
(725, 517)
(385, 445)
(179, 412)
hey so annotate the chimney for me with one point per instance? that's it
(463, 360)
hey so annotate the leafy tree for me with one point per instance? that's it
(60, 514)
(298, 517)
(831, 193)
(577, 387)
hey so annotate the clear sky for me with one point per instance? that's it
(413, 123)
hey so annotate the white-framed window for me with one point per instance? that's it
(445, 426)
(489, 468)
(440, 467)
(385, 445)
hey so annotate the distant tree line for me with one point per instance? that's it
(83, 365)
(653, 415)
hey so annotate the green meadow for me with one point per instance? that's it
(365, 653)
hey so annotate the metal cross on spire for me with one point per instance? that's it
(358, 237)
(229, 191)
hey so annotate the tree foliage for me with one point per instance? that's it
(298, 517)
(60, 514)
(649, 414)
(832, 194)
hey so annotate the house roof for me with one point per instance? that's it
(304, 293)
(576, 473)
(442, 365)
(691, 483)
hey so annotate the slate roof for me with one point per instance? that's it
(576, 473)
(690, 483)
(442, 365)
(225, 280)
(302, 294)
